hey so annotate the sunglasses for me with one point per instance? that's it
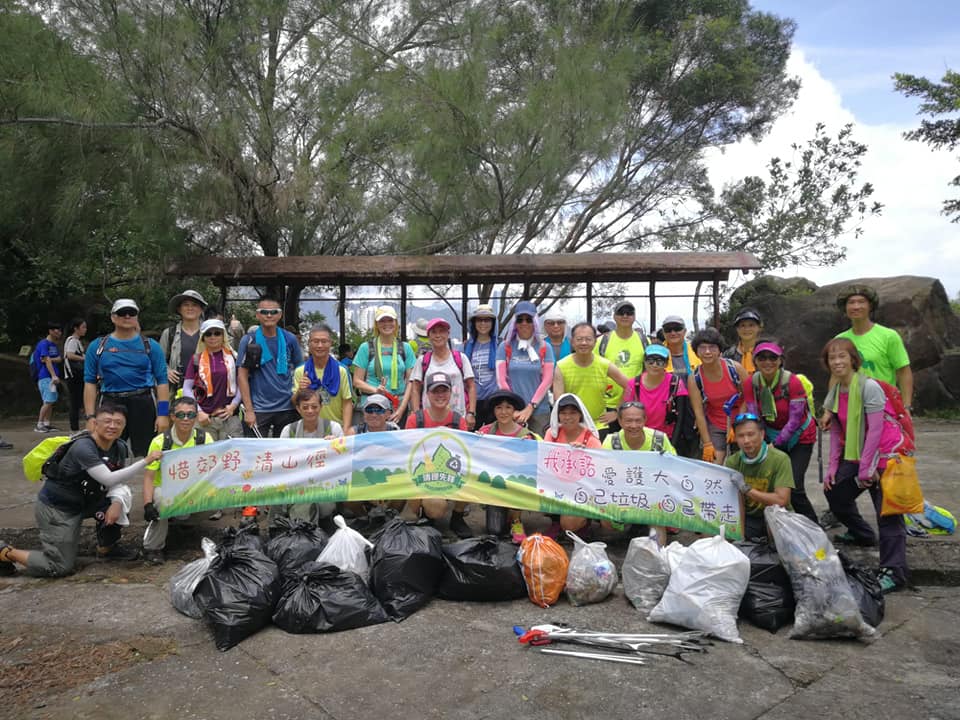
(374, 410)
(745, 417)
(655, 360)
(632, 404)
(127, 312)
(626, 311)
(524, 319)
(766, 357)
(672, 328)
(188, 415)
(556, 322)
(268, 311)
(214, 333)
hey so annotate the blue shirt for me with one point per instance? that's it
(269, 390)
(124, 365)
(486, 377)
(46, 349)
(525, 374)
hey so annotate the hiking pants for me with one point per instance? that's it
(60, 538)
(799, 462)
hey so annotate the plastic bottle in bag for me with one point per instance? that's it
(646, 572)
(591, 576)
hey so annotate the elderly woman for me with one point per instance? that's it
(781, 400)
(718, 388)
(862, 439)
(749, 325)
(383, 365)
(525, 364)
(211, 378)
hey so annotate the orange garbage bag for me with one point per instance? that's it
(544, 564)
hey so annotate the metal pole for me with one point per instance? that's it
(342, 312)
(464, 290)
(590, 302)
(403, 312)
(716, 301)
(651, 328)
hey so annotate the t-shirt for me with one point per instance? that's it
(774, 472)
(75, 346)
(486, 376)
(295, 430)
(656, 401)
(524, 374)
(881, 350)
(644, 446)
(405, 360)
(587, 383)
(218, 371)
(458, 400)
(587, 439)
(561, 350)
(125, 365)
(521, 432)
(188, 347)
(626, 354)
(269, 390)
(65, 493)
(676, 364)
(717, 394)
(429, 422)
(332, 407)
(47, 349)
(157, 444)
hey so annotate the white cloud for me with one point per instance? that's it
(911, 237)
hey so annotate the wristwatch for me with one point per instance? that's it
(533, 404)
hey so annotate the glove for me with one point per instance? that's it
(150, 512)
(741, 484)
(709, 453)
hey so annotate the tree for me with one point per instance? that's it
(939, 99)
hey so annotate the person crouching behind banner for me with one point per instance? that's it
(184, 434)
(375, 413)
(506, 405)
(311, 424)
(89, 483)
(439, 414)
(767, 473)
(634, 435)
(570, 424)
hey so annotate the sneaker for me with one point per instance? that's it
(7, 568)
(459, 526)
(848, 538)
(4, 445)
(888, 581)
(216, 515)
(41, 429)
(517, 534)
(50, 428)
(153, 557)
(553, 530)
(118, 552)
(829, 521)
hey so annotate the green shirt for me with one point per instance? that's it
(587, 383)
(881, 351)
(774, 472)
(626, 355)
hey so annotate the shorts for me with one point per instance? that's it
(48, 391)
(718, 436)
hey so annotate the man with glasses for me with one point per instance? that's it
(555, 327)
(624, 347)
(126, 369)
(767, 477)
(266, 361)
(183, 434)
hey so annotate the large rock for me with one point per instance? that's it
(803, 317)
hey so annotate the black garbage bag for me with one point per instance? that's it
(481, 569)
(765, 565)
(323, 598)
(238, 593)
(865, 587)
(767, 605)
(243, 536)
(294, 543)
(405, 566)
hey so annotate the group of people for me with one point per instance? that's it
(536, 379)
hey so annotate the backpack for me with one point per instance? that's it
(508, 350)
(34, 460)
(454, 424)
(900, 417)
(378, 363)
(323, 426)
(605, 340)
(34, 365)
(428, 356)
(731, 371)
(782, 392)
(199, 438)
(92, 492)
(103, 343)
(672, 413)
(656, 445)
(170, 333)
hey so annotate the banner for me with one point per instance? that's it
(621, 486)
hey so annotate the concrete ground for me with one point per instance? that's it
(106, 643)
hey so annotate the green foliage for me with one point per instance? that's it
(498, 483)
(794, 216)
(484, 477)
(941, 128)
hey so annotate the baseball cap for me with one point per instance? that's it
(673, 320)
(124, 303)
(384, 311)
(747, 314)
(437, 322)
(186, 295)
(770, 347)
(622, 305)
(437, 379)
(379, 400)
(568, 400)
(657, 350)
(211, 324)
(525, 307)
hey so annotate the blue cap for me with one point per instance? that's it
(657, 351)
(525, 307)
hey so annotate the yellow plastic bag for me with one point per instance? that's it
(33, 461)
(901, 487)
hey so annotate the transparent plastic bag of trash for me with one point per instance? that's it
(591, 576)
(185, 581)
(347, 550)
(645, 572)
(706, 588)
(826, 607)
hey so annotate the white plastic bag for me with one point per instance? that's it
(646, 572)
(591, 576)
(706, 588)
(184, 582)
(675, 552)
(347, 549)
(826, 607)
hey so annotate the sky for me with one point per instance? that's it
(845, 54)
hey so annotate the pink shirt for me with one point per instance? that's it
(656, 401)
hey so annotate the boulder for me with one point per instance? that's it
(803, 317)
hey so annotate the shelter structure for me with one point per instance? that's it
(404, 271)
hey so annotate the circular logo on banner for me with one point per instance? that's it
(439, 463)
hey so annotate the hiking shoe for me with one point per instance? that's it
(888, 581)
(517, 534)
(153, 557)
(216, 515)
(7, 568)
(118, 552)
(41, 429)
(828, 520)
(848, 538)
(459, 526)
(4, 445)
